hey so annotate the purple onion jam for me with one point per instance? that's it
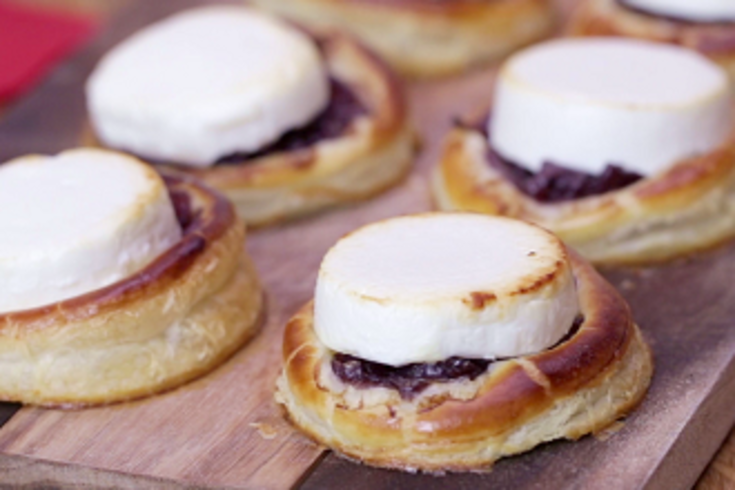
(412, 379)
(556, 182)
(343, 108)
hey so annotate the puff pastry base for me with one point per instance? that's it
(423, 39)
(688, 208)
(374, 153)
(600, 374)
(611, 18)
(173, 321)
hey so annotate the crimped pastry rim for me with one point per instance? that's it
(216, 217)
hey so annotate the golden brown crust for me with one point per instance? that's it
(580, 386)
(689, 207)
(429, 38)
(610, 18)
(178, 318)
(442, 8)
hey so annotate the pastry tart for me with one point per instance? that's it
(118, 284)
(523, 344)
(707, 27)
(313, 122)
(420, 38)
(646, 175)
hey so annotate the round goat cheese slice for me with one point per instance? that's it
(589, 102)
(429, 287)
(76, 222)
(694, 10)
(205, 84)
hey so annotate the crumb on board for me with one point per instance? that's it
(627, 285)
(265, 430)
(609, 431)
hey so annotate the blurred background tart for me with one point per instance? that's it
(622, 147)
(707, 26)
(283, 122)
(422, 38)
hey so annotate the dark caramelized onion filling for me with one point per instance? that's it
(412, 379)
(556, 182)
(344, 107)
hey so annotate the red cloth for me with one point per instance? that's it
(32, 42)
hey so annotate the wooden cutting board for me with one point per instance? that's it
(224, 430)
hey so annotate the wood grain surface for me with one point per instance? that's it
(224, 430)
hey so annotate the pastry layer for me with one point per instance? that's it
(421, 38)
(176, 319)
(697, 10)
(599, 374)
(77, 222)
(206, 83)
(428, 287)
(580, 102)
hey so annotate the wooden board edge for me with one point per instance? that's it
(22, 472)
(719, 474)
(701, 438)
(7, 410)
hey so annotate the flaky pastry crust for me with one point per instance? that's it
(423, 39)
(687, 208)
(374, 153)
(580, 386)
(173, 321)
(611, 18)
